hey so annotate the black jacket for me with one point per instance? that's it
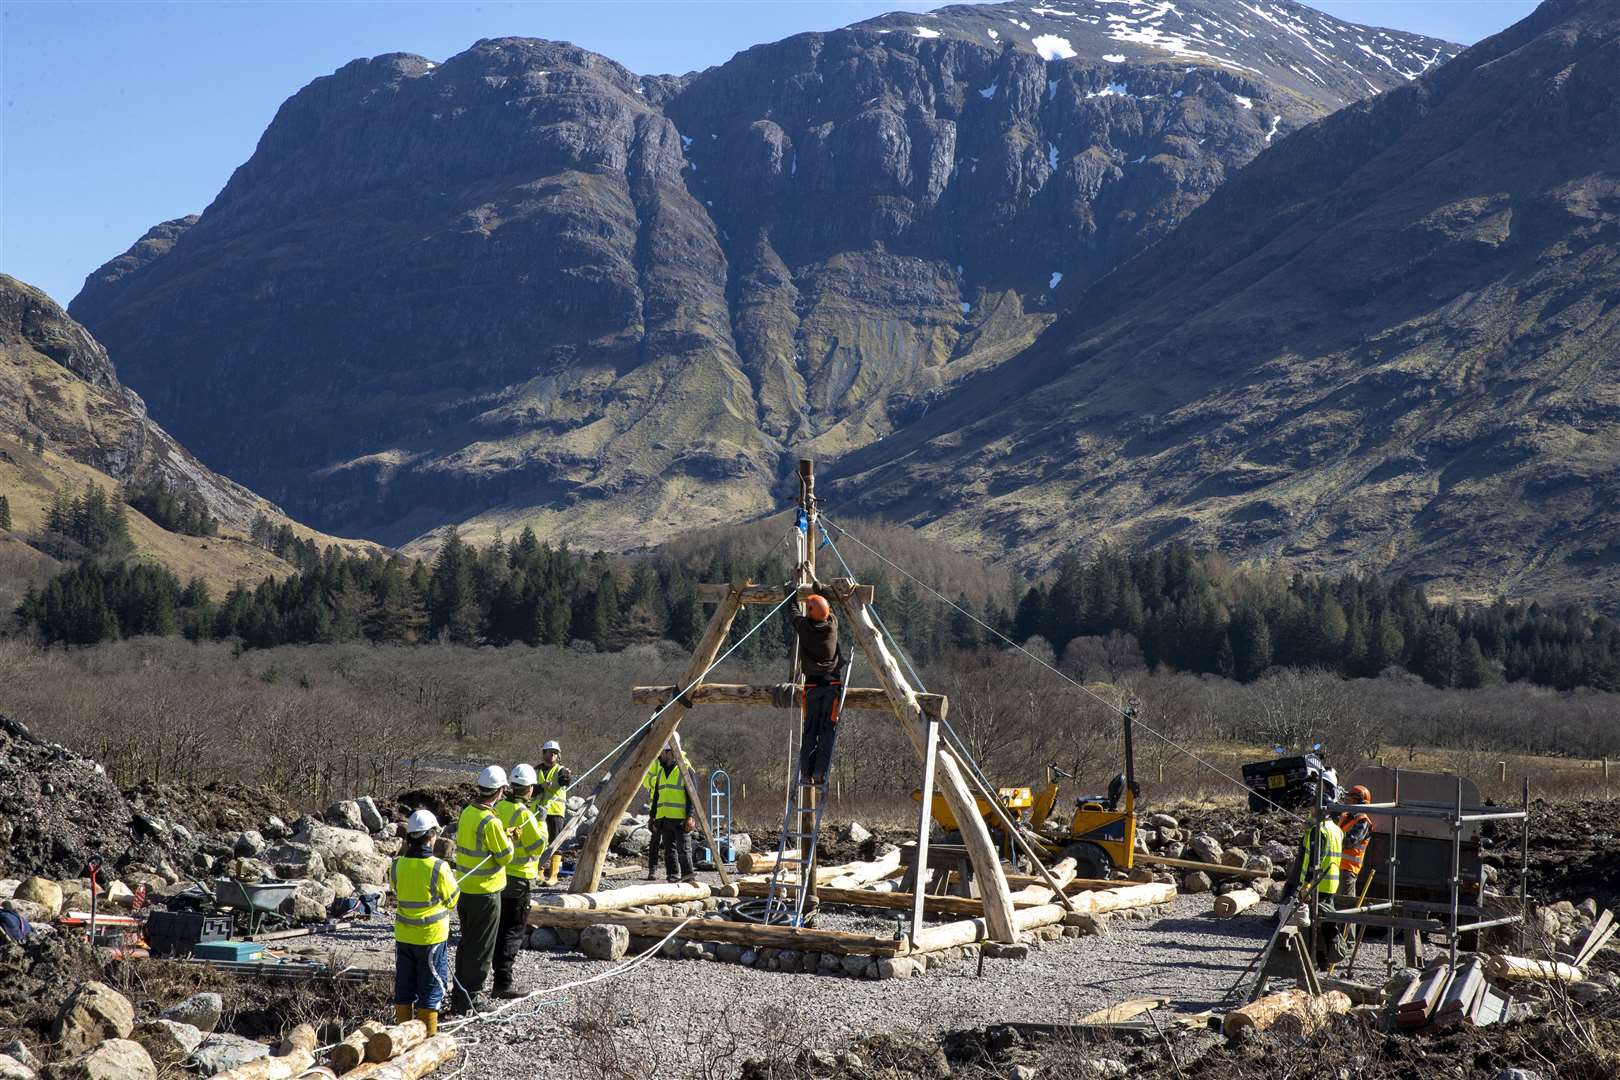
(818, 645)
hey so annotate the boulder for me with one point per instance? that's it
(543, 937)
(42, 891)
(897, 967)
(637, 842)
(119, 896)
(1236, 857)
(332, 842)
(1258, 862)
(18, 1051)
(1195, 882)
(362, 869)
(855, 966)
(855, 833)
(249, 843)
(12, 1069)
(310, 903)
(342, 888)
(371, 818)
(37, 914)
(604, 941)
(201, 1011)
(389, 846)
(219, 1052)
(1204, 848)
(275, 828)
(1273, 891)
(345, 815)
(1278, 853)
(293, 861)
(94, 1013)
(1163, 821)
(169, 1043)
(115, 1059)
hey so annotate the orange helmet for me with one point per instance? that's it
(815, 606)
(1359, 794)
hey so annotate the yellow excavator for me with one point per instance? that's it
(1101, 833)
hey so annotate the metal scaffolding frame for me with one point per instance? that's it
(1416, 916)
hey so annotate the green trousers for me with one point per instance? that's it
(480, 916)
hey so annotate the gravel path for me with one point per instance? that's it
(696, 1017)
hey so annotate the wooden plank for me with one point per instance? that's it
(981, 850)
(1594, 938)
(925, 824)
(970, 931)
(1211, 869)
(743, 933)
(762, 696)
(614, 794)
(770, 594)
(630, 896)
(1125, 1010)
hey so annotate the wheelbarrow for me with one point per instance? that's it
(257, 899)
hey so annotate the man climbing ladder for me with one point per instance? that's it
(816, 634)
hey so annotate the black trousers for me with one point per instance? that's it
(820, 731)
(512, 929)
(670, 834)
(480, 915)
(554, 824)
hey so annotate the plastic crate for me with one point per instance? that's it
(176, 933)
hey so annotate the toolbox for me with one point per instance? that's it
(176, 933)
(237, 951)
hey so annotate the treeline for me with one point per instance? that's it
(1170, 608)
(92, 519)
(1197, 614)
(186, 513)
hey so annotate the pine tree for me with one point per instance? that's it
(5, 513)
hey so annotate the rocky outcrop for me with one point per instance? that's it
(529, 286)
(1389, 343)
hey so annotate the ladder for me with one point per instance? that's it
(791, 881)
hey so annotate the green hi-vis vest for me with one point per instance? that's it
(667, 791)
(482, 851)
(424, 892)
(1329, 850)
(529, 840)
(557, 802)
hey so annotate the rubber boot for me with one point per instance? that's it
(430, 1018)
(402, 1013)
(554, 870)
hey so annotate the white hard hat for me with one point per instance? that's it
(421, 822)
(552, 744)
(492, 778)
(523, 775)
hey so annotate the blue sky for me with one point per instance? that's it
(118, 115)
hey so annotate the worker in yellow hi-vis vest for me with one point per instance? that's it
(425, 892)
(672, 817)
(483, 848)
(1317, 864)
(551, 799)
(529, 841)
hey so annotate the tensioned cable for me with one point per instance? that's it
(1081, 686)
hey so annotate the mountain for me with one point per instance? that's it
(66, 422)
(1391, 342)
(527, 286)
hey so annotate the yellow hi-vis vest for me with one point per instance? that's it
(482, 851)
(528, 842)
(424, 892)
(667, 792)
(556, 804)
(1329, 849)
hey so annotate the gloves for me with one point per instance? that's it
(688, 825)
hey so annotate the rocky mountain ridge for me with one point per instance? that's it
(526, 286)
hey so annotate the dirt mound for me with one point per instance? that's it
(217, 807)
(445, 800)
(35, 978)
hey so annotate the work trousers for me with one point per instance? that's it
(820, 731)
(513, 928)
(669, 834)
(480, 915)
(421, 974)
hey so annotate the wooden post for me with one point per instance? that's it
(925, 823)
(998, 907)
(619, 787)
(1501, 771)
(805, 576)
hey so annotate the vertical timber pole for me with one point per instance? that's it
(806, 576)
(1394, 862)
(1456, 868)
(1314, 874)
(925, 820)
(1524, 871)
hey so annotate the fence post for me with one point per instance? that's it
(1161, 772)
(1501, 771)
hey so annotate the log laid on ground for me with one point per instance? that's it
(630, 896)
(413, 1064)
(1232, 903)
(1524, 969)
(352, 1050)
(743, 933)
(855, 874)
(1132, 896)
(1125, 1010)
(390, 1042)
(271, 1068)
(302, 1037)
(1291, 1012)
(1212, 869)
(756, 862)
(953, 935)
(1123, 897)
(318, 1072)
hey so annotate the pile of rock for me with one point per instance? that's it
(1242, 849)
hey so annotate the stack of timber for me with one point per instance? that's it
(374, 1051)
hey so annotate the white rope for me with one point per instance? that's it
(1074, 682)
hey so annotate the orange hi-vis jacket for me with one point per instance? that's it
(1357, 832)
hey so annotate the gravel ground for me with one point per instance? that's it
(702, 1018)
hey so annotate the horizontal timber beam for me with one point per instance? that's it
(770, 594)
(859, 697)
(741, 933)
(1118, 897)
